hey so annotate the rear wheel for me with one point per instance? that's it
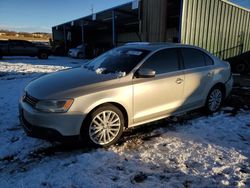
(241, 67)
(43, 55)
(104, 126)
(214, 99)
(80, 55)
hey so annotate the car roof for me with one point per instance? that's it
(155, 46)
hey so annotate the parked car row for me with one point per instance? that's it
(26, 48)
(240, 64)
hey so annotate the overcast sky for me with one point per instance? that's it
(41, 15)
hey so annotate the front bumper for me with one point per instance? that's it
(49, 125)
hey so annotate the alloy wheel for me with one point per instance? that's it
(214, 100)
(104, 127)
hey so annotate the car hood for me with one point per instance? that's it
(67, 83)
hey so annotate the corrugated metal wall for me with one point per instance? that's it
(154, 20)
(160, 20)
(216, 25)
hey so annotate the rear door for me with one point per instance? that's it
(198, 76)
(162, 94)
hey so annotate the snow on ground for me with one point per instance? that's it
(190, 151)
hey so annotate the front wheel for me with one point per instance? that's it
(214, 100)
(43, 55)
(104, 126)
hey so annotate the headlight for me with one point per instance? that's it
(54, 105)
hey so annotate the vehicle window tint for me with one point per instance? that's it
(193, 58)
(163, 61)
(208, 59)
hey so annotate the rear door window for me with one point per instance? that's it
(208, 59)
(193, 58)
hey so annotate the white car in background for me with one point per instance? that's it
(78, 52)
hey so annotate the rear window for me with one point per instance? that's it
(208, 59)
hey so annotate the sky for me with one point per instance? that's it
(41, 15)
(244, 3)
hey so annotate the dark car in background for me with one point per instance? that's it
(240, 63)
(24, 48)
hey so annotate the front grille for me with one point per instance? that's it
(30, 100)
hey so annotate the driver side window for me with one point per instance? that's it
(163, 61)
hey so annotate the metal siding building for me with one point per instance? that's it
(160, 20)
(100, 31)
(219, 26)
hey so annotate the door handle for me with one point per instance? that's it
(179, 80)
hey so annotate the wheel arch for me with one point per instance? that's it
(221, 85)
(116, 104)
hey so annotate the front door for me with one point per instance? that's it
(161, 95)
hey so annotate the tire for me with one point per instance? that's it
(241, 67)
(96, 133)
(214, 100)
(80, 55)
(43, 55)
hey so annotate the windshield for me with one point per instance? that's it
(119, 60)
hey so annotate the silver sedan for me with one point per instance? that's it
(125, 87)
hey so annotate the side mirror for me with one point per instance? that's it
(145, 73)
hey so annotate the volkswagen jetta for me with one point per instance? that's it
(125, 87)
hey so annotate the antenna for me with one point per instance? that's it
(92, 9)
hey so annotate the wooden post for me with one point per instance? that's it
(83, 32)
(65, 38)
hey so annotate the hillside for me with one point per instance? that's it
(37, 36)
